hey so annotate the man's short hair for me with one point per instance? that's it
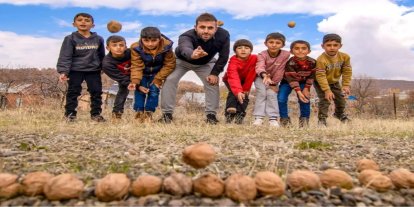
(332, 37)
(150, 32)
(114, 39)
(83, 15)
(292, 45)
(277, 36)
(206, 17)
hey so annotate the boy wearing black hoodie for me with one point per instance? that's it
(80, 60)
(117, 64)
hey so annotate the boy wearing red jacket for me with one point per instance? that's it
(239, 79)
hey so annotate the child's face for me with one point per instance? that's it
(151, 43)
(300, 50)
(274, 45)
(117, 49)
(83, 23)
(331, 47)
(243, 52)
(206, 29)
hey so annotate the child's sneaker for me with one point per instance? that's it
(98, 118)
(258, 122)
(285, 122)
(211, 119)
(147, 117)
(274, 123)
(166, 118)
(116, 115)
(303, 122)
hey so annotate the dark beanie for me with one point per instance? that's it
(242, 42)
(276, 35)
(332, 37)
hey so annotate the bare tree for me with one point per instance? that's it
(364, 88)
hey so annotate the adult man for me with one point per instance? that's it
(196, 50)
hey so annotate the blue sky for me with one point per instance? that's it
(378, 34)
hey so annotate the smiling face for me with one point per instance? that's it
(274, 45)
(331, 47)
(300, 50)
(206, 29)
(83, 24)
(243, 52)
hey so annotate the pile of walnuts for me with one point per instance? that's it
(239, 187)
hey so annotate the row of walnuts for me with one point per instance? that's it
(238, 187)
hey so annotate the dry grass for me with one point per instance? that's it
(39, 139)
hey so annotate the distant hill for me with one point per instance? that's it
(389, 84)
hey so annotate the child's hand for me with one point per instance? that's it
(132, 87)
(143, 89)
(63, 77)
(212, 79)
(240, 97)
(306, 92)
(156, 85)
(267, 81)
(346, 90)
(198, 53)
(302, 97)
(329, 96)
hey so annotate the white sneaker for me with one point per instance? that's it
(274, 123)
(258, 122)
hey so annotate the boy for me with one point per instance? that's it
(239, 79)
(299, 76)
(270, 68)
(152, 60)
(330, 67)
(80, 60)
(116, 64)
(196, 52)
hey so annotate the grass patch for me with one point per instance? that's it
(316, 145)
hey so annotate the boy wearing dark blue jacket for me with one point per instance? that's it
(117, 64)
(80, 60)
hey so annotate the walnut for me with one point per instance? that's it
(375, 180)
(178, 184)
(9, 187)
(367, 164)
(303, 180)
(199, 155)
(336, 178)
(268, 183)
(33, 183)
(64, 186)
(240, 187)
(402, 178)
(209, 185)
(146, 185)
(114, 186)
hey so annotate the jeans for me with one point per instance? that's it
(120, 98)
(149, 101)
(282, 98)
(94, 83)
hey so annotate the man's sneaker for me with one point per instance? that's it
(285, 122)
(343, 118)
(322, 122)
(166, 118)
(98, 118)
(274, 123)
(211, 119)
(70, 118)
(258, 122)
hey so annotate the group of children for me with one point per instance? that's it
(147, 63)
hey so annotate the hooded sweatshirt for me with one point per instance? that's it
(79, 53)
(118, 69)
(240, 74)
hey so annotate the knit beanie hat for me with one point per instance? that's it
(276, 35)
(332, 37)
(242, 42)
